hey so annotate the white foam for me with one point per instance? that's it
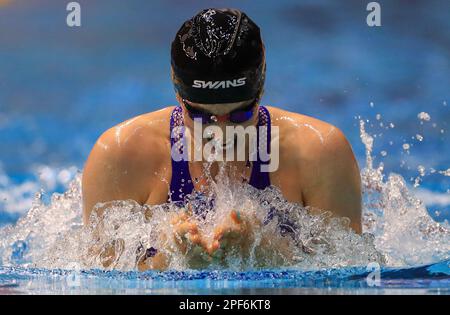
(430, 198)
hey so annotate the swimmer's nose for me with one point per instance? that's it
(222, 118)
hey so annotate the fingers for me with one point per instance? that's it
(215, 245)
(218, 233)
(235, 216)
(185, 229)
(227, 234)
(179, 218)
(224, 236)
(197, 239)
(232, 228)
(189, 231)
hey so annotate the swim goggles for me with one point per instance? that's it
(237, 116)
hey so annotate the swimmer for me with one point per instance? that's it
(218, 68)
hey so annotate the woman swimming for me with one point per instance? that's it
(218, 70)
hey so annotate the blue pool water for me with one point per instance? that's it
(60, 88)
(428, 279)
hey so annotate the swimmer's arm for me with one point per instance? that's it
(114, 172)
(334, 184)
(108, 176)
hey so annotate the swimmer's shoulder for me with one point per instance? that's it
(125, 158)
(139, 140)
(307, 136)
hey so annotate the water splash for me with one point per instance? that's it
(397, 230)
(404, 232)
(424, 116)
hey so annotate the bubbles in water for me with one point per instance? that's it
(406, 146)
(421, 170)
(403, 230)
(446, 172)
(418, 179)
(19, 249)
(424, 116)
(419, 137)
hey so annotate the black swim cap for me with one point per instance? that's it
(218, 57)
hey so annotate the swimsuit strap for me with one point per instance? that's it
(181, 182)
(259, 179)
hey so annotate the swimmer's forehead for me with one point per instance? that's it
(220, 109)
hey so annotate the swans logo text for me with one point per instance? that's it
(199, 84)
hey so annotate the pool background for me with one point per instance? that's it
(61, 87)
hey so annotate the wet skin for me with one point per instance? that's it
(317, 168)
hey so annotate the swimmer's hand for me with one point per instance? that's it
(232, 234)
(190, 240)
(186, 233)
